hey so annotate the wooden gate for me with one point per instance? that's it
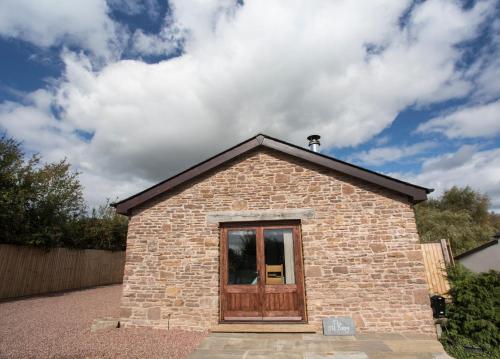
(436, 257)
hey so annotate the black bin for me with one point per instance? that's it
(438, 305)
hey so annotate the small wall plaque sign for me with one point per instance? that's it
(338, 326)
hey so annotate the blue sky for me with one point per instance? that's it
(133, 91)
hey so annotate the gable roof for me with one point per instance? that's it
(414, 192)
(477, 249)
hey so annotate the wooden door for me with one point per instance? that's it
(261, 272)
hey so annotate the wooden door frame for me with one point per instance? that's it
(259, 227)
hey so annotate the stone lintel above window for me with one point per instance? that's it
(260, 215)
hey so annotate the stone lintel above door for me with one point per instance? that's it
(260, 215)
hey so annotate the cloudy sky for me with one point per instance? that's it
(133, 91)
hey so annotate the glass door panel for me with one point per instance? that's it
(279, 256)
(261, 273)
(242, 257)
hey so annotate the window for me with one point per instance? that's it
(260, 254)
(278, 245)
(242, 257)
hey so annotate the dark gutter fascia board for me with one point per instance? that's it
(416, 193)
(125, 205)
(428, 190)
(477, 249)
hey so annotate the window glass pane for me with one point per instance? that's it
(242, 257)
(280, 268)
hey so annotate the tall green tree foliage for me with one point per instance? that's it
(57, 202)
(42, 205)
(460, 215)
(15, 184)
(474, 203)
(495, 221)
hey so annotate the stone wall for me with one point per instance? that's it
(362, 256)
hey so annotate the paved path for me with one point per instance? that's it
(316, 346)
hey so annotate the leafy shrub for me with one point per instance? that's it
(473, 328)
(103, 229)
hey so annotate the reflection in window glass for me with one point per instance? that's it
(278, 244)
(242, 257)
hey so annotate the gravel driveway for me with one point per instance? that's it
(58, 326)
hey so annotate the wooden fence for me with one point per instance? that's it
(27, 270)
(436, 257)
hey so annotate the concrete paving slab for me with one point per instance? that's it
(396, 356)
(265, 354)
(321, 337)
(316, 346)
(250, 344)
(416, 336)
(392, 355)
(226, 354)
(350, 355)
(367, 346)
(414, 346)
(338, 355)
(380, 336)
(300, 345)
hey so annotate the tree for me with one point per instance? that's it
(459, 215)
(467, 200)
(57, 203)
(16, 182)
(495, 221)
(42, 205)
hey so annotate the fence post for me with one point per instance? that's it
(448, 256)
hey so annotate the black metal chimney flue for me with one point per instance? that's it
(314, 142)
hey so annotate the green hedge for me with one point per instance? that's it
(473, 328)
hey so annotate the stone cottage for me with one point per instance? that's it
(269, 232)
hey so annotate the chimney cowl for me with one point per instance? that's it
(314, 142)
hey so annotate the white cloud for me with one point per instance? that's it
(469, 166)
(35, 125)
(135, 7)
(166, 42)
(485, 71)
(379, 155)
(204, 18)
(47, 23)
(287, 69)
(474, 121)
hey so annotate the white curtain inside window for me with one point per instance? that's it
(289, 262)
